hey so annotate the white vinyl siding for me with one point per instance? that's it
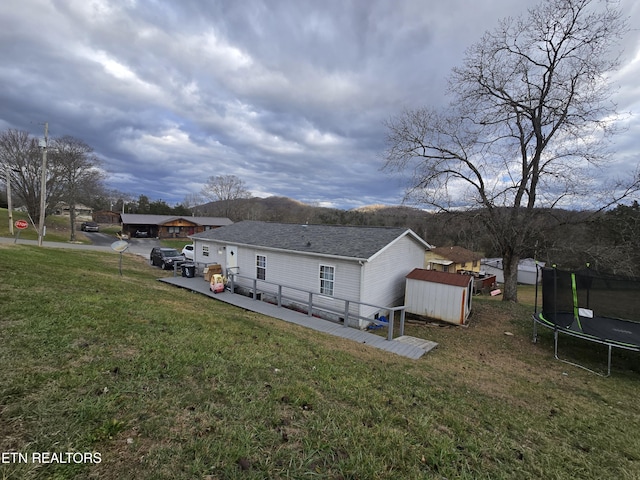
(302, 273)
(384, 277)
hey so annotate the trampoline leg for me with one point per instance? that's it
(556, 334)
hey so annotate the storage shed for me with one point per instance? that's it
(439, 295)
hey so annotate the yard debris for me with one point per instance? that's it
(508, 334)
(244, 464)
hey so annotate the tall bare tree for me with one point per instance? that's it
(527, 127)
(21, 158)
(76, 170)
(225, 189)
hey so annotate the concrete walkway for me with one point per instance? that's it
(404, 346)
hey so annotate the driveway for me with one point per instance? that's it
(142, 246)
(100, 239)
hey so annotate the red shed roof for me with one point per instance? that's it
(433, 276)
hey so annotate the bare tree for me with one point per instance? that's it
(528, 124)
(225, 188)
(76, 169)
(72, 173)
(192, 201)
(21, 158)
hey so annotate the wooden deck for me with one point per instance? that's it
(404, 346)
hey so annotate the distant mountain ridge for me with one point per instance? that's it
(564, 237)
(287, 210)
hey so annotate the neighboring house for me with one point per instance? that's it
(106, 216)
(453, 260)
(337, 263)
(526, 269)
(169, 226)
(439, 295)
(82, 211)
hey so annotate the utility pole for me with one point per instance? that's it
(9, 205)
(43, 185)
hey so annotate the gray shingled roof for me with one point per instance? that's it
(143, 219)
(335, 240)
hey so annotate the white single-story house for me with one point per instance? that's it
(439, 295)
(526, 269)
(331, 263)
(82, 211)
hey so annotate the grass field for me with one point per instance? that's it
(58, 228)
(160, 383)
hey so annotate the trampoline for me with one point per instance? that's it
(596, 308)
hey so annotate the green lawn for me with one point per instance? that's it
(166, 384)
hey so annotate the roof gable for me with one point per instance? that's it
(329, 240)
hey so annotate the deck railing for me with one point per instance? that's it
(311, 302)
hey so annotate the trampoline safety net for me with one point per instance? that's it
(594, 304)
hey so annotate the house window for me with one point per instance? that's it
(327, 278)
(174, 229)
(205, 250)
(261, 267)
(445, 268)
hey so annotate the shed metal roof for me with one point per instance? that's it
(354, 242)
(433, 276)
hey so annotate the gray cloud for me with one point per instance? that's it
(290, 96)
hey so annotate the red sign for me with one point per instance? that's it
(21, 224)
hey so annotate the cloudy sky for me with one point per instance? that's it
(288, 95)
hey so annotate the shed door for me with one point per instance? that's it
(232, 258)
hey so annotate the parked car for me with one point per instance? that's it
(164, 257)
(141, 234)
(89, 227)
(188, 252)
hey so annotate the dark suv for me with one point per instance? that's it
(165, 257)
(89, 227)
